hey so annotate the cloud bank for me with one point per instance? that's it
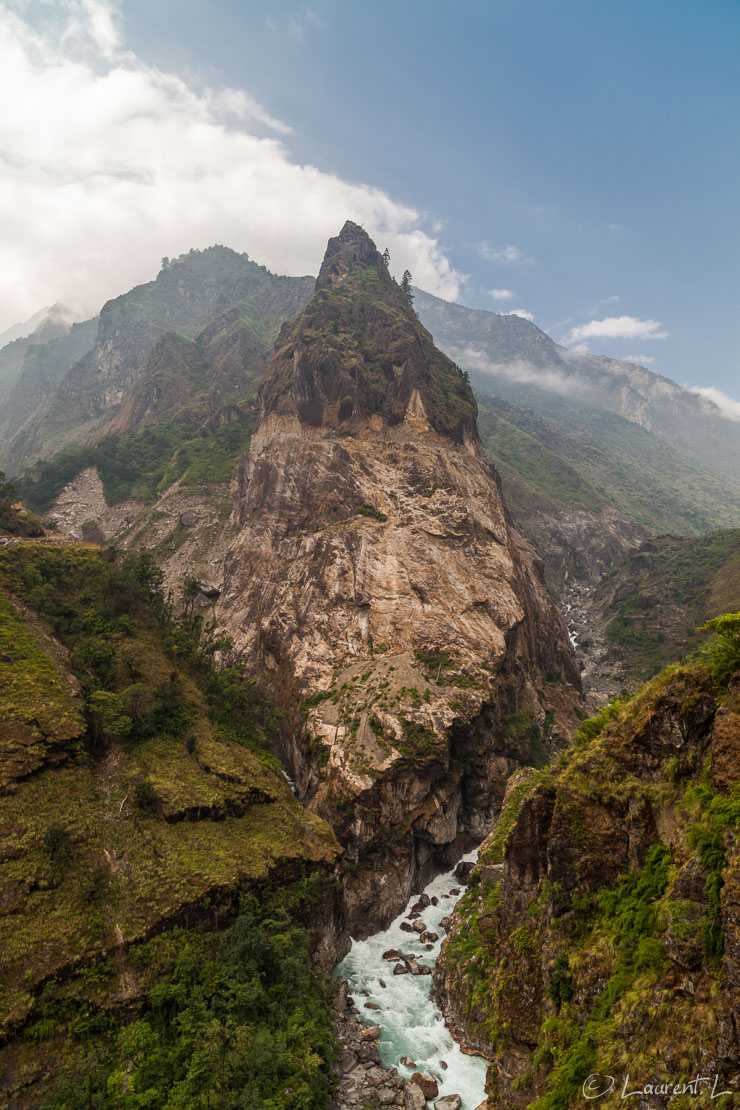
(501, 294)
(618, 327)
(109, 163)
(728, 407)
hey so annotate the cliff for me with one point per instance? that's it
(376, 578)
(599, 935)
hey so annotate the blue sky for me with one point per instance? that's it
(580, 155)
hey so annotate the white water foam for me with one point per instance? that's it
(410, 1023)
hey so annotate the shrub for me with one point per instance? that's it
(58, 845)
(723, 651)
(145, 796)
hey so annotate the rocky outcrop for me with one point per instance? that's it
(360, 1080)
(601, 921)
(376, 576)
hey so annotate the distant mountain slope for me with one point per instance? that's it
(652, 605)
(594, 454)
(188, 294)
(513, 358)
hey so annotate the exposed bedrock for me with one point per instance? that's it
(377, 582)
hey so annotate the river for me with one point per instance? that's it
(410, 1022)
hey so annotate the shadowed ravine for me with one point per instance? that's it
(411, 1025)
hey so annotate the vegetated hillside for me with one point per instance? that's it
(653, 605)
(188, 294)
(590, 486)
(374, 575)
(600, 935)
(161, 885)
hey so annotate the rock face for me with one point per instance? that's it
(601, 922)
(375, 574)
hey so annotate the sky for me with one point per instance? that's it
(575, 161)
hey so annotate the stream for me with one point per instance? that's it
(410, 1023)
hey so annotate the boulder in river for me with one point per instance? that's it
(449, 1102)
(382, 982)
(414, 1098)
(412, 965)
(462, 871)
(371, 1006)
(429, 938)
(434, 901)
(455, 891)
(407, 1062)
(391, 954)
(400, 969)
(371, 1033)
(419, 927)
(429, 1087)
(405, 927)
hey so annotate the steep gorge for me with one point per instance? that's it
(376, 580)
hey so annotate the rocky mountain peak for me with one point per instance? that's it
(359, 351)
(345, 251)
(375, 578)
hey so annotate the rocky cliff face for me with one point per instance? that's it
(376, 576)
(600, 931)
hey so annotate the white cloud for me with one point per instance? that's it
(500, 294)
(107, 164)
(520, 312)
(642, 360)
(618, 327)
(728, 407)
(507, 254)
(473, 358)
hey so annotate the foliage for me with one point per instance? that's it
(145, 796)
(58, 845)
(368, 510)
(139, 464)
(709, 835)
(240, 1021)
(723, 651)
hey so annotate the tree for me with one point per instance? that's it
(386, 256)
(406, 286)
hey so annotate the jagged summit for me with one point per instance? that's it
(351, 247)
(360, 351)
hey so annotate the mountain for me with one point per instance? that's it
(375, 580)
(38, 359)
(600, 934)
(512, 357)
(24, 329)
(594, 453)
(188, 295)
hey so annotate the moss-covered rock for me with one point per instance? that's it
(600, 932)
